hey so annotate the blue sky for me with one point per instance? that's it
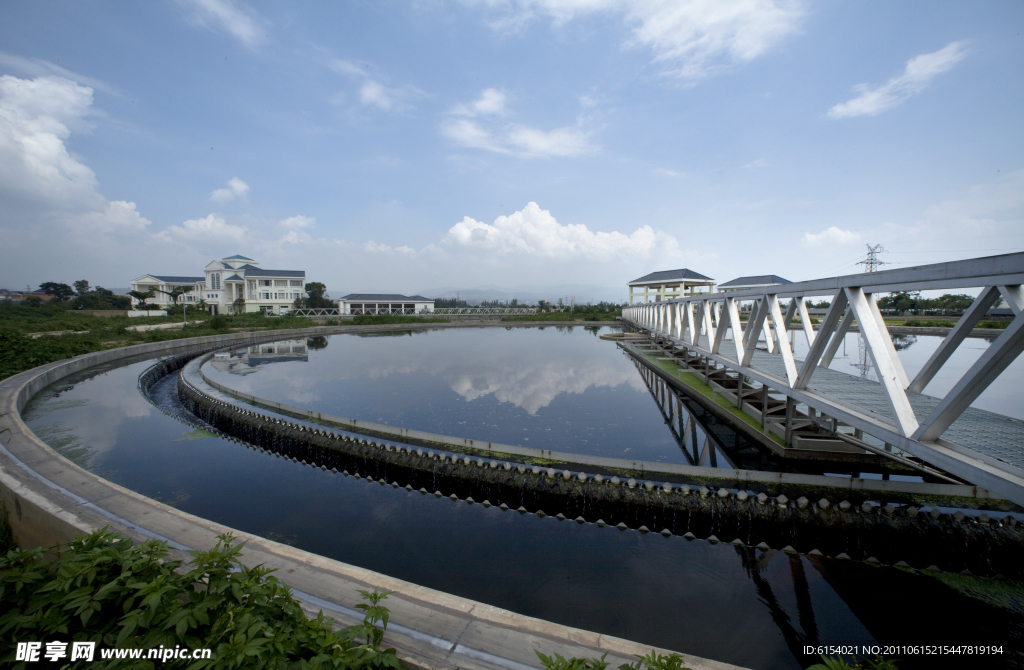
(404, 146)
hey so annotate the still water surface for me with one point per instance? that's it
(750, 608)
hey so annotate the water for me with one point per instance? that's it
(731, 604)
(558, 388)
(1001, 397)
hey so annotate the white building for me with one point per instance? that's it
(756, 281)
(668, 285)
(384, 303)
(224, 283)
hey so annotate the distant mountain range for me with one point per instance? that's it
(584, 293)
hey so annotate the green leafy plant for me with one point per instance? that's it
(653, 661)
(838, 663)
(559, 663)
(103, 588)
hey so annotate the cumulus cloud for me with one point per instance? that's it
(47, 193)
(232, 17)
(211, 228)
(236, 188)
(917, 75)
(830, 236)
(477, 125)
(117, 217)
(691, 39)
(36, 165)
(535, 232)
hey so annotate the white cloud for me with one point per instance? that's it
(296, 226)
(919, 72)
(378, 248)
(37, 67)
(209, 229)
(666, 172)
(691, 38)
(299, 221)
(36, 165)
(534, 232)
(50, 204)
(830, 236)
(509, 138)
(236, 189)
(118, 217)
(371, 92)
(241, 22)
(491, 102)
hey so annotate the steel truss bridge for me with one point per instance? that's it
(314, 312)
(503, 311)
(981, 447)
(443, 311)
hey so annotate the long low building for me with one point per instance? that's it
(384, 303)
(231, 285)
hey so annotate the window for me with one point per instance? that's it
(280, 282)
(215, 280)
(296, 282)
(266, 282)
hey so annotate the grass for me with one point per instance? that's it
(697, 383)
(917, 323)
(565, 316)
(20, 352)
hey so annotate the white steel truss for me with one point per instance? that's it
(509, 311)
(853, 298)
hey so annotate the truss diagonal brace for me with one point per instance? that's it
(890, 371)
(974, 313)
(752, 331)
(989, 365)
(1013, 294)
(817, 348)
(782, 339)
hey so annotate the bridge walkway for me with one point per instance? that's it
(977, 432)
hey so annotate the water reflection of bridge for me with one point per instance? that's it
(683, 425)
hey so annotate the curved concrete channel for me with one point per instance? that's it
(50, 500)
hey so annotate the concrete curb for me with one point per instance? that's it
(774, 482)
(52, 500)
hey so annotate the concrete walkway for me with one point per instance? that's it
(51, 500)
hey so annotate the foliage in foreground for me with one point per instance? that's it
(838, 663)
(652, 661)
(656, 661)
(103, 588)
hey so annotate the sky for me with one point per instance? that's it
(411, 146)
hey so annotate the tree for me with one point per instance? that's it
(60, 292)
(318, 298)
(238, 306)
(81, 287)
(174, 293)
(142, 297)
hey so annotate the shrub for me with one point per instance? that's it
(219, 322)
(652, 661)
(102, 588)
